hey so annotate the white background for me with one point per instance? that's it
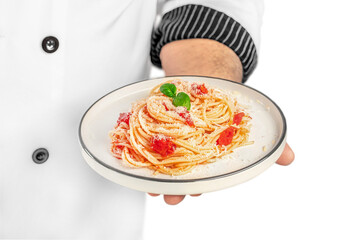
(309, 65)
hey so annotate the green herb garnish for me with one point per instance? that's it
(168, 89)
(181, 99)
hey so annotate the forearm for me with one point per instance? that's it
(202, 57)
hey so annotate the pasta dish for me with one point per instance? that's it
(179, 126)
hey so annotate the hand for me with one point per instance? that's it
(173, 199)
(205, 57)
(286, 158)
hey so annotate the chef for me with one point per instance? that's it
(59, 56)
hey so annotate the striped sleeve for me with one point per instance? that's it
(197, 21)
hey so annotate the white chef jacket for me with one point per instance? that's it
(102, 45)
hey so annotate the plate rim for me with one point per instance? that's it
(224, 175)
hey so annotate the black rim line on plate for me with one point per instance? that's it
(184, 180)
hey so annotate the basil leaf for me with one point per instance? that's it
(168, 89)
(187, 105)
(182, 99)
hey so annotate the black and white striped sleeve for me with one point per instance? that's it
(198, 21)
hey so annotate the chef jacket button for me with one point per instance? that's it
(40, 155)
(50, 44)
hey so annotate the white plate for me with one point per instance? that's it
(268, 132)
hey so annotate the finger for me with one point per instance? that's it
(287, 157)
(195, 195)
(173, 199)
(153, 194)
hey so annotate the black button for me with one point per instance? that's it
(50, 44)
(40, 155)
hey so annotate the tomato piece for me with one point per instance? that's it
(199, 89)
(203, 89)
(226, 136)
(124, 117)
(185, 114)
(163, 145)
(166, 108)
(238, 118)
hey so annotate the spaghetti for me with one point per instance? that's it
(173, 140)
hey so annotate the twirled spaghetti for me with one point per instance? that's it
(172, 140)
